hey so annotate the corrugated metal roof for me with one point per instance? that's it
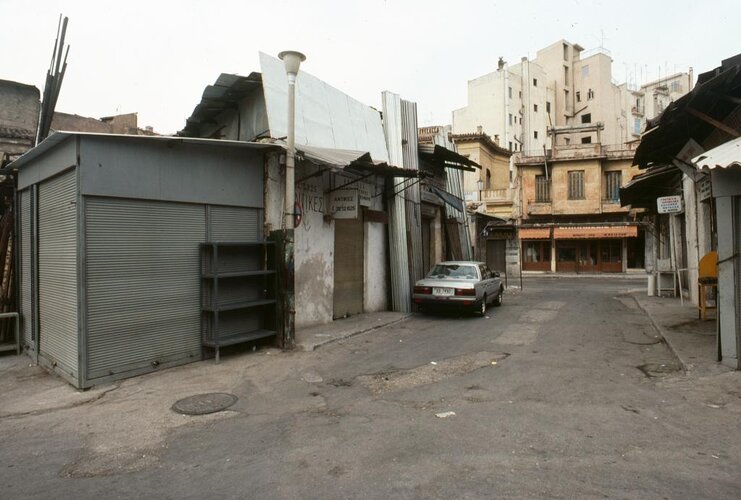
(224, 94)
(724, 156)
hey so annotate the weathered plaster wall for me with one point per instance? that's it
(314, 253)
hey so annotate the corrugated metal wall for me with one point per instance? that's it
(234, 224)
(409, 145)
(143, 284)
(25, 296)
(400, 286)
(58, 312)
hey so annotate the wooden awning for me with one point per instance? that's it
(594, 232)
(535, 233)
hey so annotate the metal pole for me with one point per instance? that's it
(291, 151)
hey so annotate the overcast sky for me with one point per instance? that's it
(155, 57)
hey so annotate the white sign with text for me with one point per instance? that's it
(669, 204)
(343, 204)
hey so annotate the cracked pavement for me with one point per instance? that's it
(563, 391)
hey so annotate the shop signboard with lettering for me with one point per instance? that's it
(343, 204)
(669, 204)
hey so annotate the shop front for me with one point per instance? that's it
(536, 248)
(592, 249)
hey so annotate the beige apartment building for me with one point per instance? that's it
(564, 87)
(570, 216)
(487, 190)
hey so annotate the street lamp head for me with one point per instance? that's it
(292, 60)
(480, 184)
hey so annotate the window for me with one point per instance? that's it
(586, 139)
(565, 52)
(542, 189)
(578, 96)
(585, 71)
(535, 82)
(637, 126)
(509, 91)
(590, 95)
(535, 108)
(520, 94)
(510, 145)
(487, 184)
(510, 119)
(567, 140)
(565, 75)
(576, 184)
(535, 134)
(586, 118)
(547, 107)
(613, 180)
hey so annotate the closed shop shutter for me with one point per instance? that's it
(25, 269)
(58, 333)
(234, 224)
(143, 284)
(349, 267)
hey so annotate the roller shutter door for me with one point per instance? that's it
(58, 332)
(143, 284)
(234, 224)
(349, 267)
(29, 338)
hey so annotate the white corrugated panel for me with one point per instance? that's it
(724, 156)
(58, 333)
(25, 269)
(143, 283)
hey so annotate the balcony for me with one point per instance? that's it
(496, 195)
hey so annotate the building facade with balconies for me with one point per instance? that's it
(488, 190)
(569, 215)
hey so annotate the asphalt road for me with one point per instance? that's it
(563, 391)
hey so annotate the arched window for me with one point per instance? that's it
(488, 179)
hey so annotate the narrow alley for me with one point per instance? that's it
(547, 395)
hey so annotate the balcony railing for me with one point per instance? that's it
(496, 195)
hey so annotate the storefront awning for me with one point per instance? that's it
(594, 232)
(643, 189)
(535, 233)
(449, 198)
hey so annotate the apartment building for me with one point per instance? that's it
(570, 215)
(564, 86)
(487, 190)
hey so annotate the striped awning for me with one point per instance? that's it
(594, 232)
(535, 233)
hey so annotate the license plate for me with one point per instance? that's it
(442, 291)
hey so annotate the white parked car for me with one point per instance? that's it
(459, 284)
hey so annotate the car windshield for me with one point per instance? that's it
(453, 271)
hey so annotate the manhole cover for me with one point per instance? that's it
(202, 404)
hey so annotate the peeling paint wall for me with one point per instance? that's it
(314, 252)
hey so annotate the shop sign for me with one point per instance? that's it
(343, 204)
(669, 204)
(365, 193)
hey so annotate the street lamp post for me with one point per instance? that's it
(292, 61)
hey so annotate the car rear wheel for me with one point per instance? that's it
(498, 299)
(481, 310)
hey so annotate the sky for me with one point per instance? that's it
(156, 57)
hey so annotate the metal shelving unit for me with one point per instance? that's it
(238, 293)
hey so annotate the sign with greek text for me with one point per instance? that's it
(365, 193)
(669, 204)
(343, 204)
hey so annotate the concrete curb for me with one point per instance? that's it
(314, 347)
(662, 333)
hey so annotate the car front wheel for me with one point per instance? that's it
(498, 299)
